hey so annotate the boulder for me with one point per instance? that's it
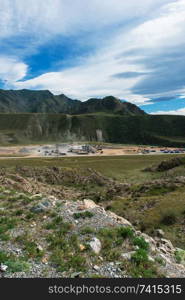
(95, 245)
(42, 206)
(127, 255)
(39, 248)
(89, 204)
(96, 268)
(3, 268)
(39, 208)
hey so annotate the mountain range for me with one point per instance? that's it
(28, 116)
(30, 101)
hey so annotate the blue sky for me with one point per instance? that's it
(133, 50)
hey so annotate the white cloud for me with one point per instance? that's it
(67, 16)
(160, 26)
(180, 111)
(165, 30)
(11, 70)
(94, 78)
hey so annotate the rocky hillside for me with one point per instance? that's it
(44, 235)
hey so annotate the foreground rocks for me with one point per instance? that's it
(102, 243)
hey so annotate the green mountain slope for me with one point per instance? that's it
(146, 129)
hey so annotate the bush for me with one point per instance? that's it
(140, 257)
(112, 255)
(5, 225)
(30, 246)
(54, 223)
(14, 264)
(83, 215)
(57, 241)
(77, 262)
(125, 232)
(66, 262)
(5, 237)
(169, 219)
(87, 230)
(17, 266)
(107, 232)
(145, 271)
(180, 256)
(19, 212)
(3, 256)
(141, 243)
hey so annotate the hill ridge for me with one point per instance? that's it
(43, 101)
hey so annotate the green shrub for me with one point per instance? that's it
(17, 266)
(83, 215)
(5, 225)
(108, 233)
(112, 255)
(3, 256)
(145, 271)
(9, 223)
(4, 237)
(140, 257)
(125, 232)
(113, 237)
(57, 241)
(77, 262)
(14, 264)
(31, 249)
(157, 190)
(66, 253)
(55, 223)
(87, 230)
(30, 216)
(180, 256)
(141, 243)
(66, 261)
(29, 246)
(19, 212)
(168, 219)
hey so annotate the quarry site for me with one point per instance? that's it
(79, 149)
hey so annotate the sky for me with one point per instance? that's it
(133, 50)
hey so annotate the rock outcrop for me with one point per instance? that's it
(89, 240)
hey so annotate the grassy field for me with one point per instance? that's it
(123, 168)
